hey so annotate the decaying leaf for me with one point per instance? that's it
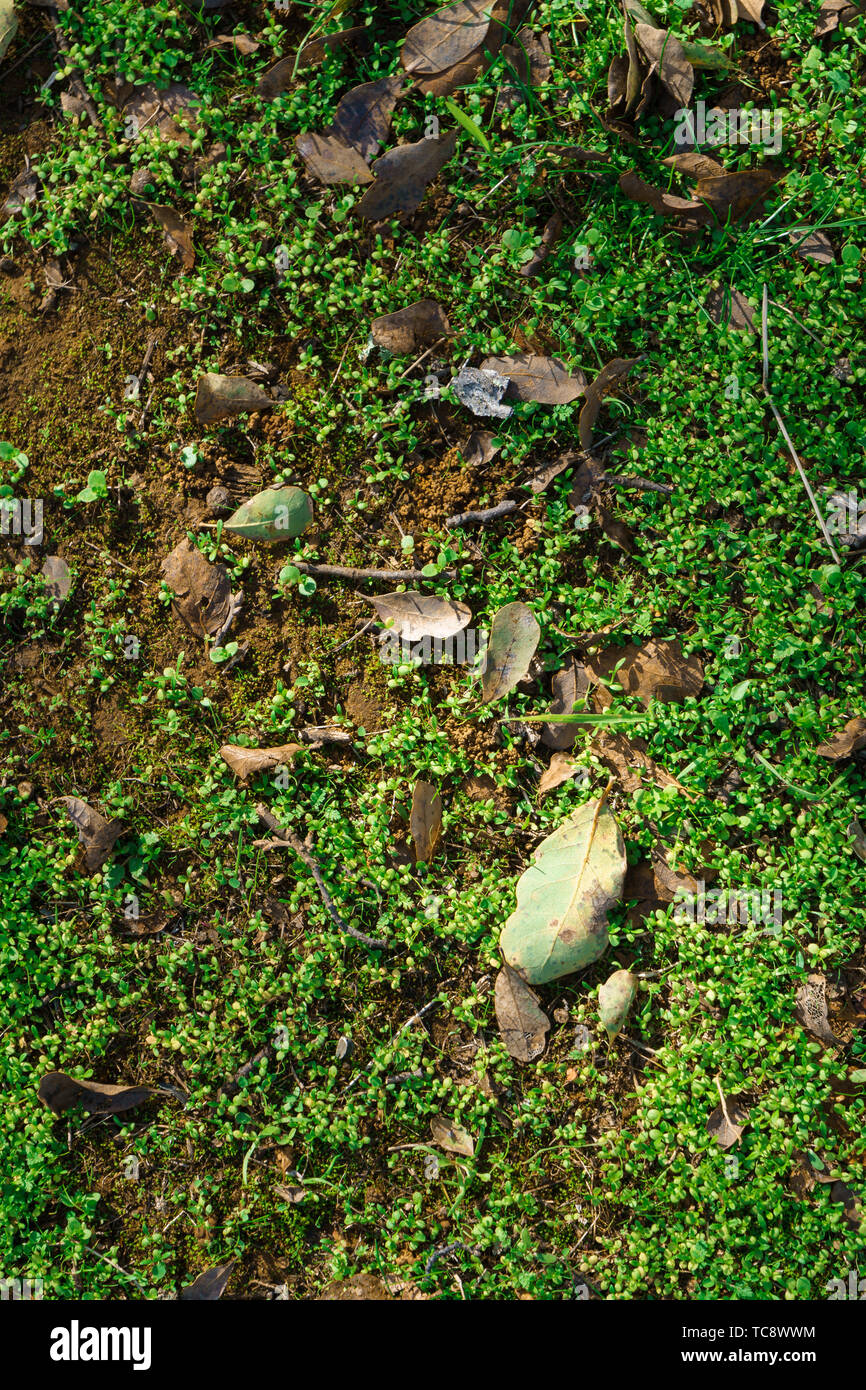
(847, 742)
(315, 51)
(561, 769)
(658, 670)
(401, 176)
(615, 998)
(482, 392)
(730, 309)
(328, 159)
(202, 591)
(425, 820)
(812, 246)
(96, 835)
(451, 1138)
(447, 37)
(514, 636)
(666, 52)
(60, 1092)
(244, 44)
(416, 615)
(727, 1122)
(569, 686)
(245, 762)
(734, 196)
(549, 237)
(155, 109)
(177, 234)
(623, 755)
(523, 1024)
(833, 13)
(208, 1286)
(22, 190)
(811, 1010)
(480, 448)
(534, 378)
(857, 836)
(363, 116)
(277, 514)
(576, 876)
(222, 397)
(689, 211)
(607, 380)
(694, 165)
(529, 55)
(58, 578)
(408, 330)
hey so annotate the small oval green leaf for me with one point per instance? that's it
(277, 514)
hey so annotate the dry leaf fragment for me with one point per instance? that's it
(208, 1286)
(529, 55)
(727, 1122)
(623, 755)
(812, 246)
(811, 1010)
(658, 670)
(451, 1138)
(96, 834)
(425, 820)
(694, 165)
(730, 309)
(514, 637)
(416, 615)
(535, 378)
(857, 835)
(202, 592)
(480, 448)
(244, 44)
(245, 762)
(222, 397)
(60, 1092)
(58, 578)
(154, 109)
(733, 196)
(615, 998)
(833, 13)
(523, 1025)
(447, 37)
(328, 159)
(561, 769)
(692, 213)
(666, 52)
(177, 234)
(401, 176)
(549, 237)
(848, 741)
(569, 686)
(607, 380)
(407, 330)
(363, 116)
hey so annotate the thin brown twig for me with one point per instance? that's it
(288, 837)
(480, 518)
(347, 572)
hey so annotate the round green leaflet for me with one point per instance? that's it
(560, 922)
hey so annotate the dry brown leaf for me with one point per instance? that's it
(812, 246)
(480, 448)
(523, 1025)
(425, 820)
(244, 44)
(692, 213)
(407, 330)
(154, 110)
(451, 1137)
(694, 165)
(622, 756)
(811, 1009)
(674, 69)
(96, 835)
(60, 1092)
(730, 309)
(848, 741)
(569, 686)
(177, 234)
(208, 1287)
(446, 37)
(401, 177)
(363, 116)
(658, 670)
(733, 196)
(416, 615)
(562, 768)
(549, 237)
(607, 380)
(202, 591)
(833, 13)
(727, 1122)
(222, 397)
(535, 378)
(529, 55)
(328, 159)
(245, 762)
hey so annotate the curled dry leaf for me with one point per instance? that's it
(523, 1024)
(833, 13)
(416, 615)
(607, 380)
(727, 1122)
(202, 591)
(418, 325)
(222, 397)
(615, 998)
(480, 448)
(576, 876)
(694, 165)
(401, 177)
(447, 37)
(514, 637)
(481, 392)
(569, 686)
(656, 671)
(549, 237)
(666, 53)
(730, 309)
(847, 742)
(561, 769)
(277, 514)
(425, 820)
(177, 234)
(208, 1286)
(60, 1092)
(534, 378)
(328, 159)
(451, 1137)
(244, 762)
(96, 835)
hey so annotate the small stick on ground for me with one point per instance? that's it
(356, 575)
(636, 481)
(288, 837)
(765, 382)
(481, 518)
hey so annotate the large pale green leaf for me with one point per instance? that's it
(560, 922)
(514, 636)
(8, 24)
(277, 514)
